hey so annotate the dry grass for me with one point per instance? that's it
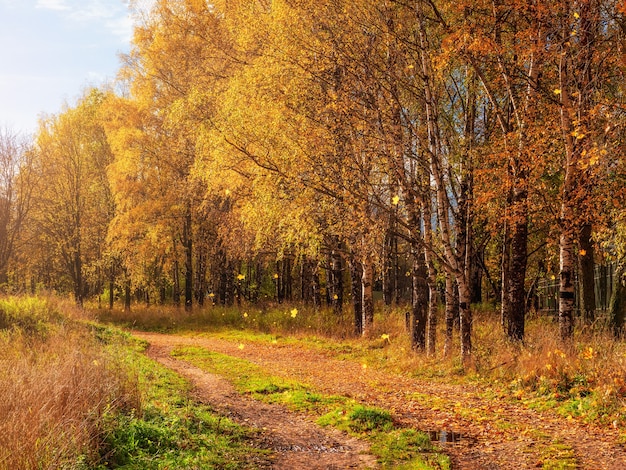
(56, 383)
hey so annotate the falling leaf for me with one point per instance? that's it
(582, 252)
(294, 313)
(335, 297)
(385, 336)
(364, 366)
(576, 15)
(241, 346)
(245, 315)
(241, 277)
(395, 200)
(557, 91)
(276, 276)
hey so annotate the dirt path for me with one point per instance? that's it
(297, 442)
(497, 433)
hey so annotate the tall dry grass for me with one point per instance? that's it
(56, 384)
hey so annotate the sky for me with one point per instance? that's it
(51, 50)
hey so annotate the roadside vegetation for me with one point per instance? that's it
(77, 395)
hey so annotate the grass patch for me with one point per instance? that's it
(172, 431)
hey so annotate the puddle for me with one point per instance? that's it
(447, 437)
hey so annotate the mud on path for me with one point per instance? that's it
(497, 433)
(297, 443)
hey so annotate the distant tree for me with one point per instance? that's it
(17, 178)
(72, 203)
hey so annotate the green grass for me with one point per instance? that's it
(173, 431)
(394, 447)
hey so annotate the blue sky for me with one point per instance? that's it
(50, 50)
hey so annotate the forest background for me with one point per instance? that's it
(444, 153)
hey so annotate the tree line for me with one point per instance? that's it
(442, 152)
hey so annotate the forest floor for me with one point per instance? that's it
(496, 432)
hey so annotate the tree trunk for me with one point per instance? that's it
(176, 286)
(127, 296)
(287, 278)
(78, 278)
(505, 298)
(566, 286)
(336, 275)
(452, 313)
(419, 300)
(476, 278)
(188, 244)
(111, 290)
(587, 274)
(433, 295)
(465, 318)
(278, 282)
(367, 280)
(317, 288)
(389, 264)
(305, 281)
(356, 275)
(201, 267)
(617, 305)
(517, 266)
